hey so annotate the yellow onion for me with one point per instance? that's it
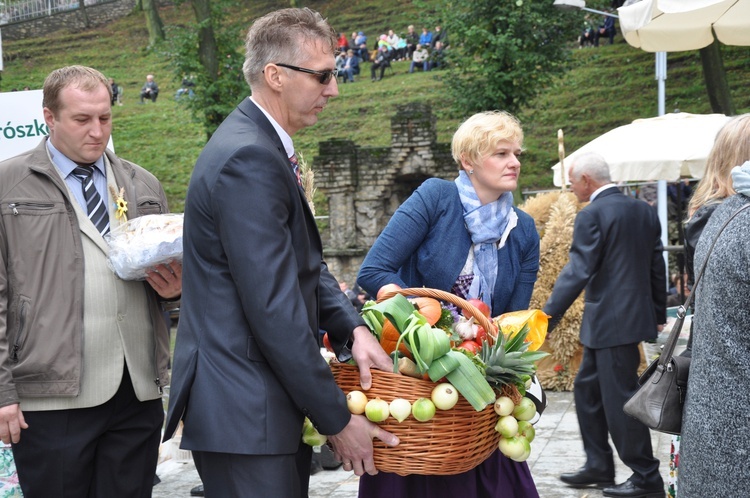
(400, 409)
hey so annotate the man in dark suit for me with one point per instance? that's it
(616, 255)
(247, 365)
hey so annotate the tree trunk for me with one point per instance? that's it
(154, 23)
(82, 8)
(716, 80)
(207, 46)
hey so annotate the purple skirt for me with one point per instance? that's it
(497, 477)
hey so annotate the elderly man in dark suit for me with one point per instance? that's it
(616, 255)
(247, 365)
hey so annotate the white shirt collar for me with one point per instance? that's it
(600, 190)
(286, 140)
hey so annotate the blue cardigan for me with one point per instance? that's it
(426, 244)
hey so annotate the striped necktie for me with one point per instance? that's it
(295, 167)
(95, 205)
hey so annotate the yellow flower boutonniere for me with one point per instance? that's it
(120, 203)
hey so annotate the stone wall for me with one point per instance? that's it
(71, 20)
(365, 185)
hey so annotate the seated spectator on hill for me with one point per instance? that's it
(351, 67)
(412, 39)
(383, 44)
(589, 33)
(400, 49)
(353, 43)
(425, 39)
(382, 61)
(439, 36)
(340, 60)
(398, 45)
(607, 29)
(361, 38)
(150, 89)
(116, 97)
(186, 88)
(364, 54)
(343, 43)
(420, 58)
(437, 56)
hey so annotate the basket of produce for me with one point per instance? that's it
(451, 404)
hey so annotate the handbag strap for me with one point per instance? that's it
(671, 342)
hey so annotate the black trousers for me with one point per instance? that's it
(106, 451)
(605, 381)
(228, 475)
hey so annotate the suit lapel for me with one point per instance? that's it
(251, 110)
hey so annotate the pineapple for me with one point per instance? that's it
(508, 361)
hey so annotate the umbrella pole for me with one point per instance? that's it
(561, 154)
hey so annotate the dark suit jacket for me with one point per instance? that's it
(247, 365)
(616, 255)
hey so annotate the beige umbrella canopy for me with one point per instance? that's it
(662, 148)
(677, 25)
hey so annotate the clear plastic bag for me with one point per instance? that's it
(144, 242)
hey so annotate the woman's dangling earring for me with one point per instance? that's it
(471, 171)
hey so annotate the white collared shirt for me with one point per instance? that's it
(286, 140)
(600, 190)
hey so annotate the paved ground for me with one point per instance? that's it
(556, 449)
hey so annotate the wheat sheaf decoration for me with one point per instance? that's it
(554, 214)
(307, 177)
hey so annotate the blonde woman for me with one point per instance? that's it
(731, 148)
(465, 237)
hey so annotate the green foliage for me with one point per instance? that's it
(502, 53)
(215, 95)
(604, 87)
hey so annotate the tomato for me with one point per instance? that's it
(481, 335)
(327, 343)
(470, 346)
(387, 289)
(480, 305)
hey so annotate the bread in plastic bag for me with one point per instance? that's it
(144, 242)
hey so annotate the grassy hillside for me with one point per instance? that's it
(606, 87)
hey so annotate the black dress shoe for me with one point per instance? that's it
(197, 491)
(584, 478)
(630, 490)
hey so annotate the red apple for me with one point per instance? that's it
(480, 305)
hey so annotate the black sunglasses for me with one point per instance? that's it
(324, 76)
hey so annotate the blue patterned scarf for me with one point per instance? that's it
(486, 225)
(741, 178)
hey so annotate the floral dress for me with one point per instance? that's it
(8, 476)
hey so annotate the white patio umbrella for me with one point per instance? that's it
(662, 148)
(678, 25)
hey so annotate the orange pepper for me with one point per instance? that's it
(511, 323)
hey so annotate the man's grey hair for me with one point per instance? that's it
(278, 36)
(593, 165)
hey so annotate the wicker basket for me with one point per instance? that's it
(453, 441)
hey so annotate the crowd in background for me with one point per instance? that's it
(426, 51)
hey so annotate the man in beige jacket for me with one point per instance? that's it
(83, 354)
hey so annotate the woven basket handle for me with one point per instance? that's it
(479, 317)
